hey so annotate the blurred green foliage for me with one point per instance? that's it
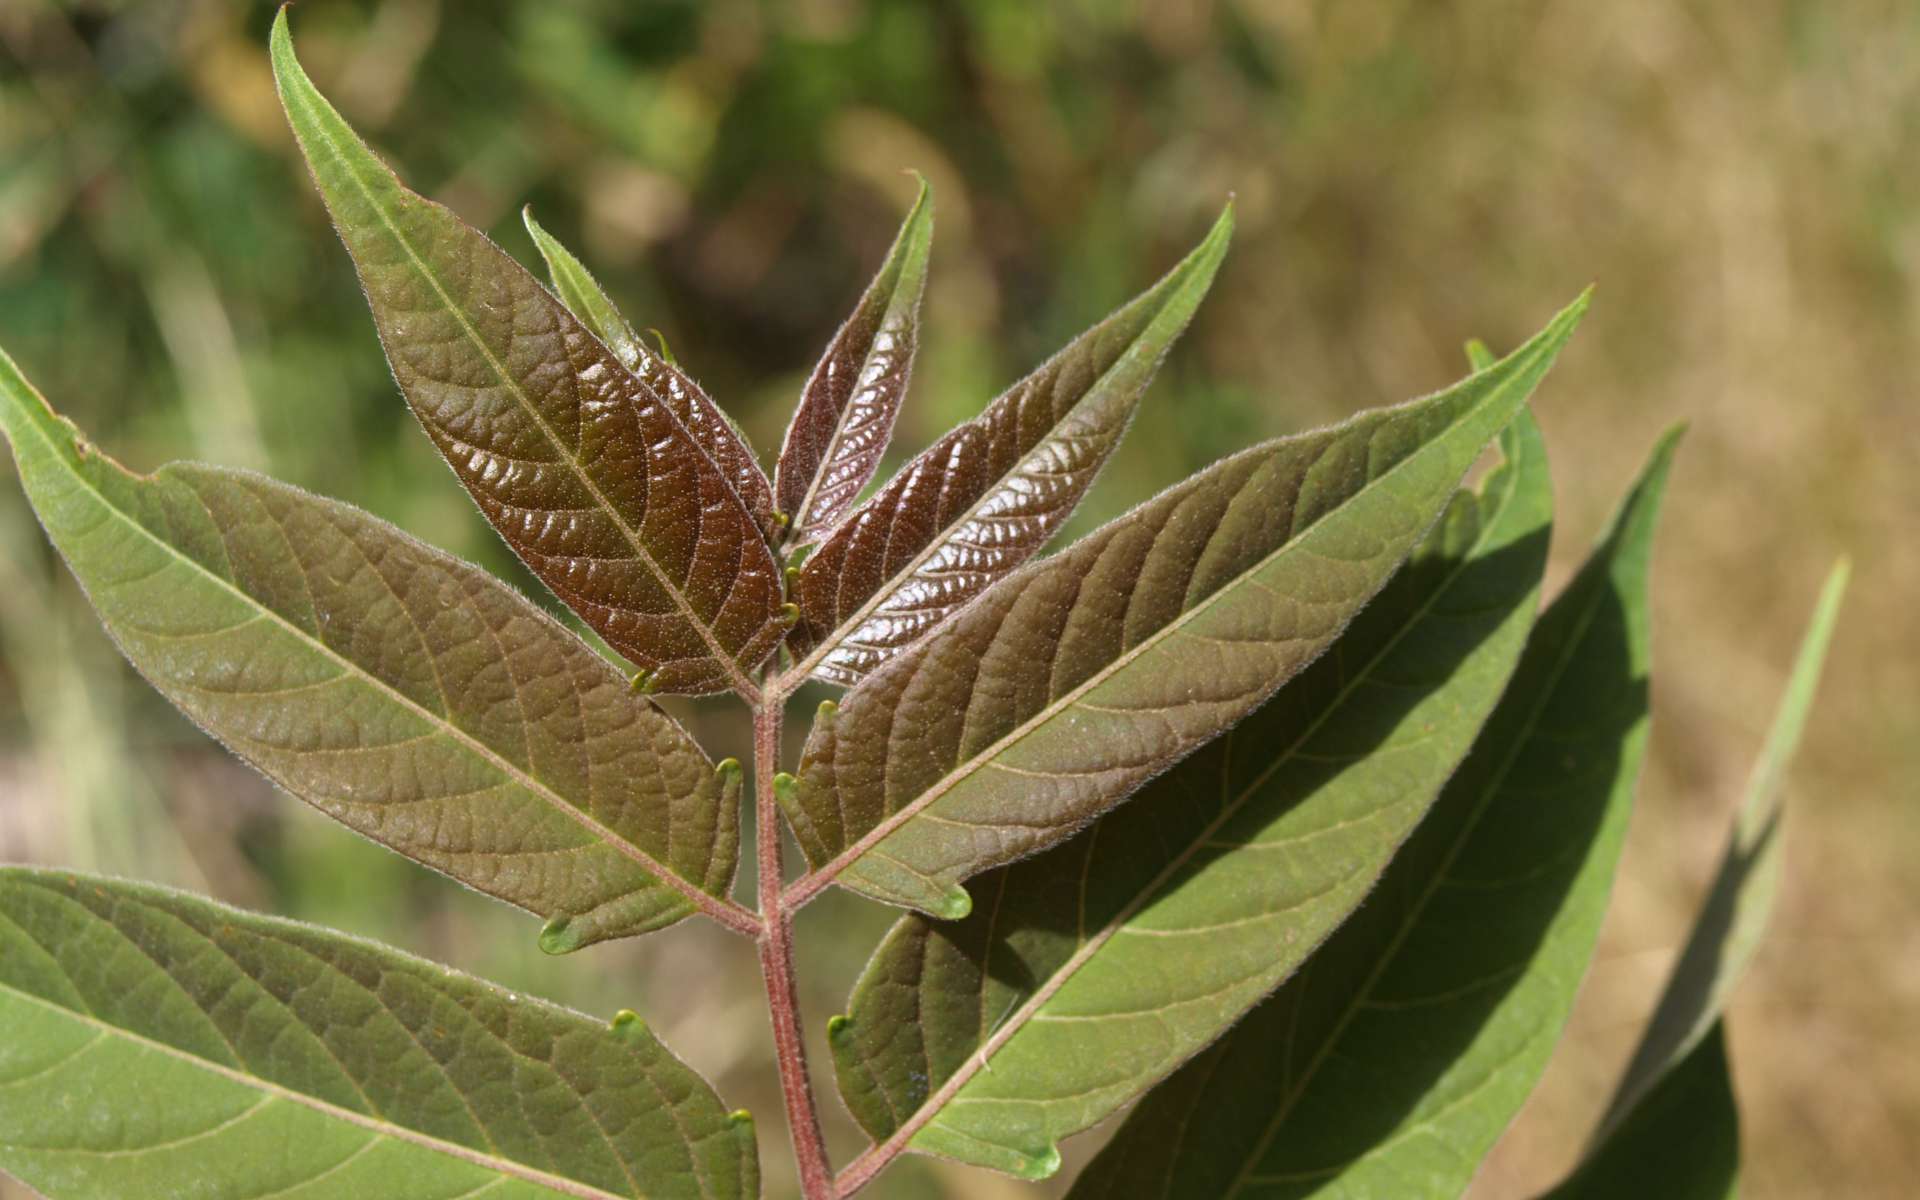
(1736, 175)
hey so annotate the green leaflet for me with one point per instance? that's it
(1680, 1142)
(1088, 973)
(706, 421)
(405, 693)
(584, 298)
(1734, 916)
(585, 471)
(1673, 1120)
(846, 412)
(1065, 686)
(988, 495)
(158, 1044)
(1389, 1065)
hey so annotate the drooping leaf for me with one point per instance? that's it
(1391, 1062)
(159, 1044)
(1070, 683)
(706, 421)
(1089, 972)
(1681, 1141)
(405, 693)
(846, 412)
(986, 497)
(1672, 1127)
(1738, 904)
(586, 472)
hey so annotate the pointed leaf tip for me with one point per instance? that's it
(1221, 234)
(659, 496)
(846, 413)
(984, 498)
(705, 422)
(1734, 915)
(1039, 675)
(233, 563)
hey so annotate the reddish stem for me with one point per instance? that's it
(776, 960)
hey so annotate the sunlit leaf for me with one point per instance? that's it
(1734, 916)
(705, 420)
(987, 496)
(1089, 972)
(158, 1044)
(405, 693)
(586, 472)
(1391, 1062)
(846, 412)
(1070, 683)
(1680, 1141)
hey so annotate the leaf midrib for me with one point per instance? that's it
(1149, 891)
(803, 511)
(944, 537)
(375, 1125)
(890, 824)
(1418, 909)
(711, 906)
(739, 680)
(885, 592)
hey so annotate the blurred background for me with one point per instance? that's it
(1738, 176)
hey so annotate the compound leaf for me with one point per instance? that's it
(846, 413)
(586, 472)
(1091, 971)
(1391, 1062)
(159, 1044)
(986, 497)
(1071, 682)
(705, 420)
(405, 693)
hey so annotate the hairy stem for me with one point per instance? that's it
(776, 960)
(861, 1171)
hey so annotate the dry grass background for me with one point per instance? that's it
(1738, 176)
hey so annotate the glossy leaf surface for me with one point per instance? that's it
(1089, 972)
(986, 497)
(409, 695)
(1070, 683)
(846, 413)
(709, 425)
(1740, 900)
(1681, 1141)
(162, 1045)
(586, 472)
(1391, 1062)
